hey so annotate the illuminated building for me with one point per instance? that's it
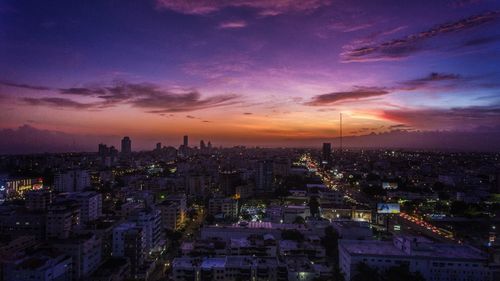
(150, 221)
(15, 189)
(173, 211)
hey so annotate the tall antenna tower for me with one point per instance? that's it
(340, 131)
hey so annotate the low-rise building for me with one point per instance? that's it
(229, 268)
(435, 261)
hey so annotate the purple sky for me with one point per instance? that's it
(247, 72)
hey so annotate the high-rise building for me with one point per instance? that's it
(103, 150)
(265, 176)
(186, 141)
(126, 145)
(202, 146)
(129, 242)
(158, 146)
(173, 211)
(150, 221)
(327, 153)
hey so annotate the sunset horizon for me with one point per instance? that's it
(256, 73)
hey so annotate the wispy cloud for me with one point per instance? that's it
(432, 78)
(236, 24)
(356, 94)
(263, 7)
(24, 86)
(406, 46)
(457, 118)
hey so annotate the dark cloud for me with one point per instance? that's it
(432, 78)
(356, 94)
(147, 96)
(248, 113)
(399, 127)
(57, 102)
(24, 86)
(190, 117)
(433, 81)
(481, 41)
(27, 139)
(404, 47)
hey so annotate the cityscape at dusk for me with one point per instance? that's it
(249, 140)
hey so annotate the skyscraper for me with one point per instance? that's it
(264, 177)
(327, 153)
(126, 145)
(186, 141)
(158, 146)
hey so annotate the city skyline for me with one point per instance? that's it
(268, 73)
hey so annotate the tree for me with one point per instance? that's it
(292, 234)
(245, 215)
(314, 206)
(331, 242)
(458, 208)
(210, 219)
(366, 273)
(401, 272)
(299, 220)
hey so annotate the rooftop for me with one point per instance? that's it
(417, 248)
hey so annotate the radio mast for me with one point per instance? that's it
(340, 131)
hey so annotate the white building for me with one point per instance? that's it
(173, 211)
(40, 267)
(150, 221)
(435, 261)
(90, 205)
(62, 220)
(129, 242)
(229, 268)
(291, 212)
(353, 230)
(85, 250)
(225, 206)
(70, 181)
